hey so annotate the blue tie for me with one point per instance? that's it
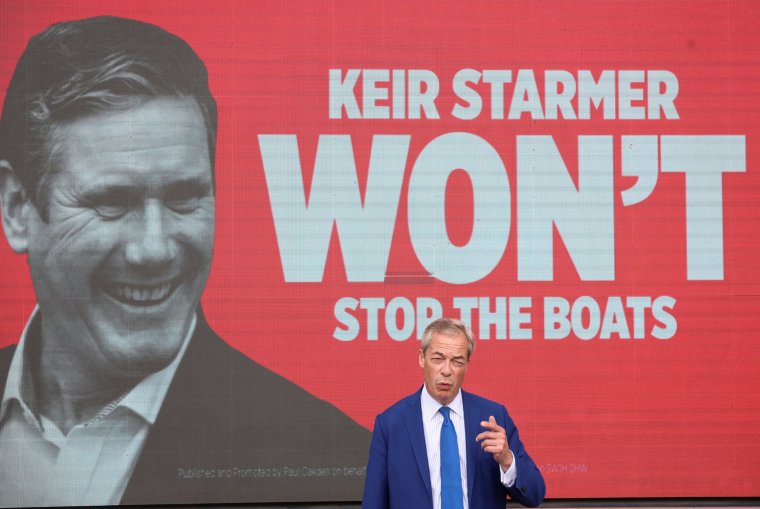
(451, 478)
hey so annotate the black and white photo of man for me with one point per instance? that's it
(119, 391)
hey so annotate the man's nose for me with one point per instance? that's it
(446, 368)
(150, 239)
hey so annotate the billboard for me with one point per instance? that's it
(575, 180)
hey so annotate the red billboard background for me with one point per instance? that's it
(602, 417)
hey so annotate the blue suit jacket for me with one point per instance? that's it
(398, 475)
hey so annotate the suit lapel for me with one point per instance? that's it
(6, 354)
(472, 420)
(413, 419)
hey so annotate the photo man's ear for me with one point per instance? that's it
(14, 205)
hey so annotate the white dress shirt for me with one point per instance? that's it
(92, 464)
(432, 420)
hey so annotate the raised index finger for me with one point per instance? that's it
(491, 424)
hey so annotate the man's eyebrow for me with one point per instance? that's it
(99, 192)
(193, 186)
(103, 189)
(444, 355)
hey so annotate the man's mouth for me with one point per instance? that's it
(141, 295)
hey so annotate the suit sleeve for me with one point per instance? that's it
(376, 482)
(529, 488)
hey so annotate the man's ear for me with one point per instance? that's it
(14, 203)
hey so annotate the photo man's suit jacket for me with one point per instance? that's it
(264, 438)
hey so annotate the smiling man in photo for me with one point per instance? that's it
(119, 391)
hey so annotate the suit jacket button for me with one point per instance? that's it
(524, 490)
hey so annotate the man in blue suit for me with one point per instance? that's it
(413, 456)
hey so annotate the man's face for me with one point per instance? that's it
(444, 364)
(120, 266)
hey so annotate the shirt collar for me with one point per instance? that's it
(430, 406)
(145, 398)
(17, 381)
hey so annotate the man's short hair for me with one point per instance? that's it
(78, 68)
(449, 327)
